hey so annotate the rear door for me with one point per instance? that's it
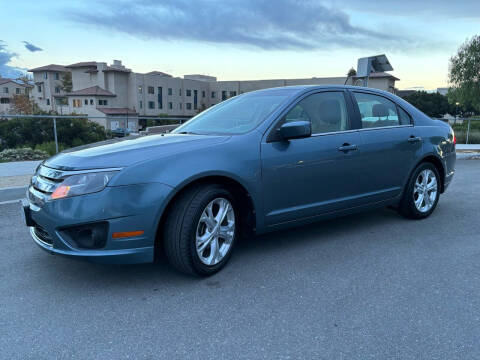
(389, 142)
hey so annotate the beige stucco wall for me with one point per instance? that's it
(126, 88)
(48, 86)
(7, 91)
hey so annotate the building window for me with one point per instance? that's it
(17, 91)
(179, 92)
(233, 93)
(195, 99)
(189, 106)
(170, 105)
(140, 89)
(77, 103)
(39, 88)
(48, 102)
(57, 89)
(141, 104)
(189, 93)
(151, 90)
(102, 102)
(203, 93)
(224, 95)
(4, 101)
(180, 106)
(5, 90)
(57, 76)
(170, 91)
(160, 97)
(91, 102)
(214, 94)
(45, 75)
(151, 105)
(85, 101)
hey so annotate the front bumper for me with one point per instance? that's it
(123, 208)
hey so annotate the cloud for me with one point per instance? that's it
(31, 47)
(431, 8)
(265, 24)
(6, 70)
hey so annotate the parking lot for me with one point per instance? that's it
(373, 285)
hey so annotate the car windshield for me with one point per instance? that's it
(235, 116)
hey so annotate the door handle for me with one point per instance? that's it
(414, 139)
(347, 147)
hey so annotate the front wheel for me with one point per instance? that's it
(422, 192)
(201, 229)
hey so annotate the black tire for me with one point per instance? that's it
(407, 206)
(180, 229)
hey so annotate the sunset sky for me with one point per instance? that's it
(240, 40)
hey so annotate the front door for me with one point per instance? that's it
(314, 175)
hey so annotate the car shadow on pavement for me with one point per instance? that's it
(251, 251)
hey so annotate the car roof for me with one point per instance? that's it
(299, 89)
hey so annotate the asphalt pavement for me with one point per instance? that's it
(367, 286)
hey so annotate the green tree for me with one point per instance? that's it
(465, 74)
(352, 72)
(23, 104)
(432, 104)
(67, 82)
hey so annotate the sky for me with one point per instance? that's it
(240, 39)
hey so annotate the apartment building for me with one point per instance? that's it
(115, 96)
(8, 89)
(48, 90)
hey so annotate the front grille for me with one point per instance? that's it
(43, 235)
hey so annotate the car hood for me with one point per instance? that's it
(127, 151)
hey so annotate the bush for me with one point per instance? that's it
(30, 132)
(49, 147)
(461, 132)
(22, 155)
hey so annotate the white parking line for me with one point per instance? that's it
(14, 187)
(10, 202)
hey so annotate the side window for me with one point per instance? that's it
(405, 119)
(297, 114)
(326, 111)
(376, 111)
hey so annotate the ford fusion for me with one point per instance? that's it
(258, 162)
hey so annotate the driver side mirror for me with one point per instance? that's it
(295, 130)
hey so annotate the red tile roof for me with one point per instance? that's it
(382, 75)
(51, 67)
(93, 67)
(117, 111)
(91, 91)
(112, 68)
(7, 80)
(158, 73)
(83, 64)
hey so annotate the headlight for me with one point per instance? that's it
(82, 184)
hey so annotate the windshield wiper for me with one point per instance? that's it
(188, 133)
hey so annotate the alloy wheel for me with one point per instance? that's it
(425, 190)
(215, 231)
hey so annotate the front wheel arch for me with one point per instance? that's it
(244, 198)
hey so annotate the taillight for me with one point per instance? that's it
(454, 139)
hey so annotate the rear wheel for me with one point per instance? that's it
(422, 193)
(201, 229)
